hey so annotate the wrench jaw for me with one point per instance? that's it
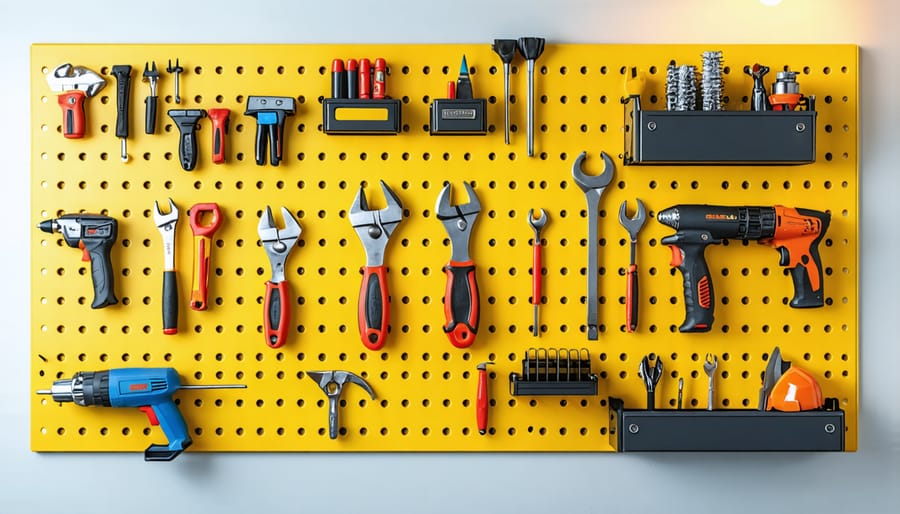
(66, 77)
(278, 243)
(374, 228)
(593, 182)
(166, 223)
(633, 225)
(458, 221)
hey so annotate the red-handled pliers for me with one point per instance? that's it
(278, 244)
(461, 302)
(374, 229)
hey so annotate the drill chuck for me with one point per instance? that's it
(84, 388)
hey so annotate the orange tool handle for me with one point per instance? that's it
(72, 104)
(537, 267)
(481, 402)
(631, 299)
(461, 306)
(374, 309)
(219, 118)
(200, 281)
(277, 315)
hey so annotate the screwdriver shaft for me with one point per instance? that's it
(506, 96)
(530, 108)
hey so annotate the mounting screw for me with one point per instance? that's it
(634, 428)
(651, 126)
(829, 428)
(800, 127)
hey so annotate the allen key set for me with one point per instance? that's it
(504, 251)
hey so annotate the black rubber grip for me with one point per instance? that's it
(374, 302)
(187, 150)
(122, 73)
(261, 140)
(170, 302)
(699, 298)
(101, 273)
(162, 453)
(150, 114)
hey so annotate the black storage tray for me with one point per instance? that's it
(390, 123)
(724, 430)
(718, 137)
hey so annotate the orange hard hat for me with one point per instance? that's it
(795, 391)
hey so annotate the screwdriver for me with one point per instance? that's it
(506, 49)
(123, 92)
(531, 48)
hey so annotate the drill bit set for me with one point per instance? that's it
(681, 84)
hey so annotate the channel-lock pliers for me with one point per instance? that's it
(277, 244)
(374, 229)
(461, 303)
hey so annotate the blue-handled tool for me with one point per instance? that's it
(148, 389)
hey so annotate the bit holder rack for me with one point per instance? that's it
(554, 372)
(426, 388)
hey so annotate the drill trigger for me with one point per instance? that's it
(677, 256)
(151, 414)
(85, 256)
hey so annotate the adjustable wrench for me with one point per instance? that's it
(593, 187)
(203, 246)
(633, 226)
(461, 303)
(75, 83)
(166, 224)
(332, 383)
(374, 229)
(277, 244)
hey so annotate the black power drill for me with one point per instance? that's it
(795, 233)
(95, 235)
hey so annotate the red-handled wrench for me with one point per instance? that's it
(461, 301)
(633, 226)
(277, 244)
(374, 229)
(203, 247)
(537, 265)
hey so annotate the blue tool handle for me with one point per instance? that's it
(173, 426)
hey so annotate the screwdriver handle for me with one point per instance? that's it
(631, 299)
(122, 73)
(374, 307)
(170, 302)
(461, 305)
(277, 313)
(72, 104)
(219, 119)
(481, 402)
(200, 282)
(150, 104)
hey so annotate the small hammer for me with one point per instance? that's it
(332, 383)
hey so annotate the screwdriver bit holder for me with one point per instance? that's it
(554, 372)
(361, 116)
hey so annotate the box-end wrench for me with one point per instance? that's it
(593, 187)
(166, 224)
(203, 247)
(633, 226)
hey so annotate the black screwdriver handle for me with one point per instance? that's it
(122, 73)
(150, 104)
(170, 302)
(101, 272)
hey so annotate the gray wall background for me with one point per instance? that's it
(865, 481)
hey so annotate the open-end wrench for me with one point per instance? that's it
(374, 229)
(709, 366)
(593, 187)
(203, 247)
(536, 265)
(650, 374)
(166, 224)
(74, 83)
(462, 308)
(332, 383)
(277, 244)
(633, 226)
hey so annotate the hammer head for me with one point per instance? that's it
(332, 382)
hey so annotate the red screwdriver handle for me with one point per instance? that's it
(276, 313)
(461, 306)
(374, 309)
(631, 299)
(537, 267)
(481, 402)
(72, 104)
(219, 118)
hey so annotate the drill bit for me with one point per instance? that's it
(711, 85)
(506, 49)
(687, 88)
(531, 48)
(671, 86)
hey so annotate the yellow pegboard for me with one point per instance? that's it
(425, 386)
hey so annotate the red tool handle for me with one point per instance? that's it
(631, 299)
(374, 308)
(537, 266)
(481, 402)
(461, 307)
(277, 314)
(200, 281)
(219, 118)
(72, 104)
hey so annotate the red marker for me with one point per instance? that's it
(451, 90)
(481, 398)
(365, 79)
(352, 78)
(337, 79)
(378, 86)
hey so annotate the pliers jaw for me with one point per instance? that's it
(374, 228)
(458, 220)
(278, 242)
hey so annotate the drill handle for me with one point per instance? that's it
(699, 299)
(101, 272)
(801, 255)
(169, 418)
